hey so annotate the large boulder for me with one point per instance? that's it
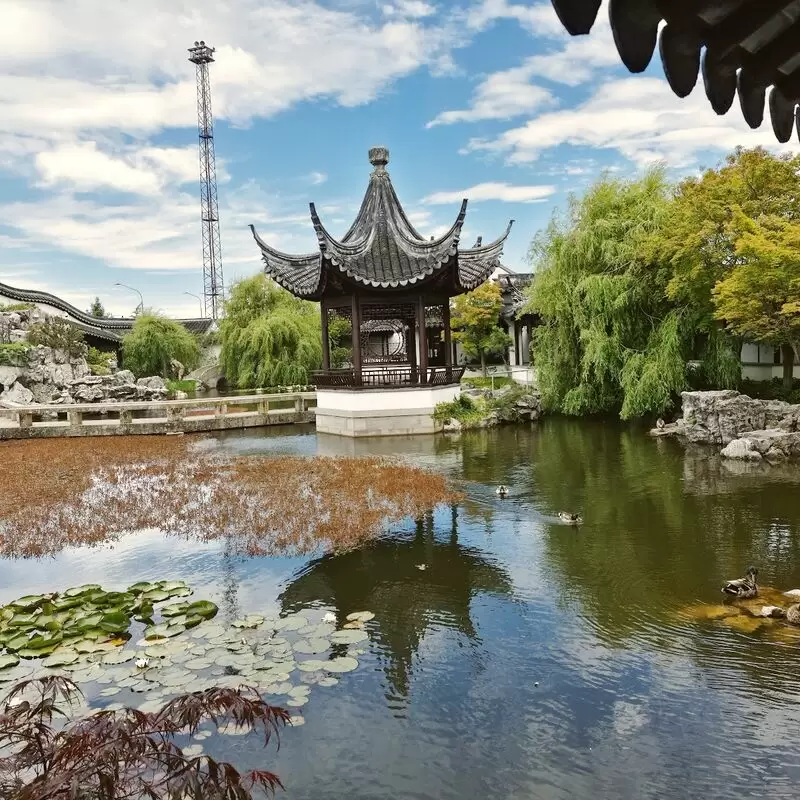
(153, 384)
(15, 396)
(719, 417)
(8, 376)
(770, 445)
(85, 392)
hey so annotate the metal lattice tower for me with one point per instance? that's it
(213, 285)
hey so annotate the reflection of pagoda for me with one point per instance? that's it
(392, 286)
(384, 578)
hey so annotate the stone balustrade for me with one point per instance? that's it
(157, 416)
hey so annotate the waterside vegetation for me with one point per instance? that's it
(640, 281)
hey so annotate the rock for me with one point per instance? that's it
(452, 426)
(772, 445)
(17, 335)
(88, 393)
(179, 395)
(124, 376)
(795, 593)
(16, 395)
(719, 417)
(772, 611)
(8, 375)
(154, 384)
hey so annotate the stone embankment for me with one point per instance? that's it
(46, 376)
(501, 406)
(747, 429)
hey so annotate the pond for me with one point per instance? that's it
(528, 659)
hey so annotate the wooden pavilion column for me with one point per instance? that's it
(355, 318)
(326, 344)
(448, 341)
(411, 348)
(423, 340)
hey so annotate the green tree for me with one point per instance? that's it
(269, 337)
(610, 338)
(152, 344)
(474, 320)
(758, 298)
(97, 309)
(59, 334)
(340, 340)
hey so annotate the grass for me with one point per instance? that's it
(16, 307)
(181, 386)
(12, 354)
(486, 383)
(464, 409)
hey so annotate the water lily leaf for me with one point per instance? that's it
(360, 616)
(174, 609)
(8, 660)
(250, 621)
(157, 651)
(171, 586)
(66, 603)
(175, 679)
(175, 630)
(139, 588)
(296, 720)
(155, 596)
(348, 637)
(75, 591)
(294, 622)
(29, 601)
(312, 665)
(296, 702)
(89, 622)
(156, 631)
(311, 647)
(60, 659)
(22, 620)
(115, 622)
(88, 646)
(117, 600)
(341, 664)
(184, 591)
(202, 608)
(118, 657)
(196, 664)
(193, 620)
(17, 643)
(328, 681)
(110, 691)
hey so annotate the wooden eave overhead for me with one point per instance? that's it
(745, 47)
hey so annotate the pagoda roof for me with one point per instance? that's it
(382, 250)
(744, 46)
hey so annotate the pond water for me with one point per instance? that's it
(529, 659)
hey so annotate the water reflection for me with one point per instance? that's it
(386, 576)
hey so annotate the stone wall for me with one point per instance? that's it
(44, 376)
(749, 429)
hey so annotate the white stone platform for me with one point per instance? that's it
(381, 412)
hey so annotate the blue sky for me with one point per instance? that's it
(487, 99)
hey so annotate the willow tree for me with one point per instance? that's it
(610, 339)
(268, 337)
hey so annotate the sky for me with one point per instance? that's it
(485, 99)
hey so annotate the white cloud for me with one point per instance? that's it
(316, 178)
(415, 9)
(493, 191)
(637, 116)
(502, 95)
(539, 19)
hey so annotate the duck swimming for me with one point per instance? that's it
(743, 587)
(501, 491)
(569, 518)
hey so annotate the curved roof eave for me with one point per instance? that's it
(300, 274)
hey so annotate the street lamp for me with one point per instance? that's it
(140, 307)
(199, 300)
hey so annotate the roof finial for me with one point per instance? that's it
(378, 157)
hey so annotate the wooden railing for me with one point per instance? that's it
(387, 377)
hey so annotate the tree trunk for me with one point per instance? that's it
(483, 363)
(787, 359)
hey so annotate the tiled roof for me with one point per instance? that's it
(381, 249)
(744, 46)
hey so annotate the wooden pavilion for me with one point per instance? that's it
(391, 284)
(745, 47)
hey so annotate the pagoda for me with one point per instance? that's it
(392, 286)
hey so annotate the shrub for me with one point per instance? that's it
(154, 342)
(16, 306)
(771, 390)
(127, 753)
(487, 383)
(13, 354)
(99, 361)
(59, 334)
(463, 409)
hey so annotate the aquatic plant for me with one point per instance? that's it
(83, 618)
(94, 491)
(126, 753)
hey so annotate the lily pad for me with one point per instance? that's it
(202, 608)
(29, 601)
(296, 720)
(312, 665)
(341, 664)
(360, 616)
(76, 591)
(294, 622)
(250, 621)
(348, 637)
(119, 657)
(60, 659)
(174, 609)
(9, 660)
(327, 682)
(311, 647)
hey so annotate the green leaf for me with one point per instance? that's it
(8, 660)
(29, 602)
(80, 591)
(202, 608)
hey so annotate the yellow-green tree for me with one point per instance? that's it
(759, 298)
(474, 320)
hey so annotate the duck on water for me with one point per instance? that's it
(569, 518)
(743, 587)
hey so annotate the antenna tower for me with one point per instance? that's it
(201, 55)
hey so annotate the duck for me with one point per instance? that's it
(570, 518)
(660, 424)
(501, 491)
(793, 614)
(743, 587)
(422, 566)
